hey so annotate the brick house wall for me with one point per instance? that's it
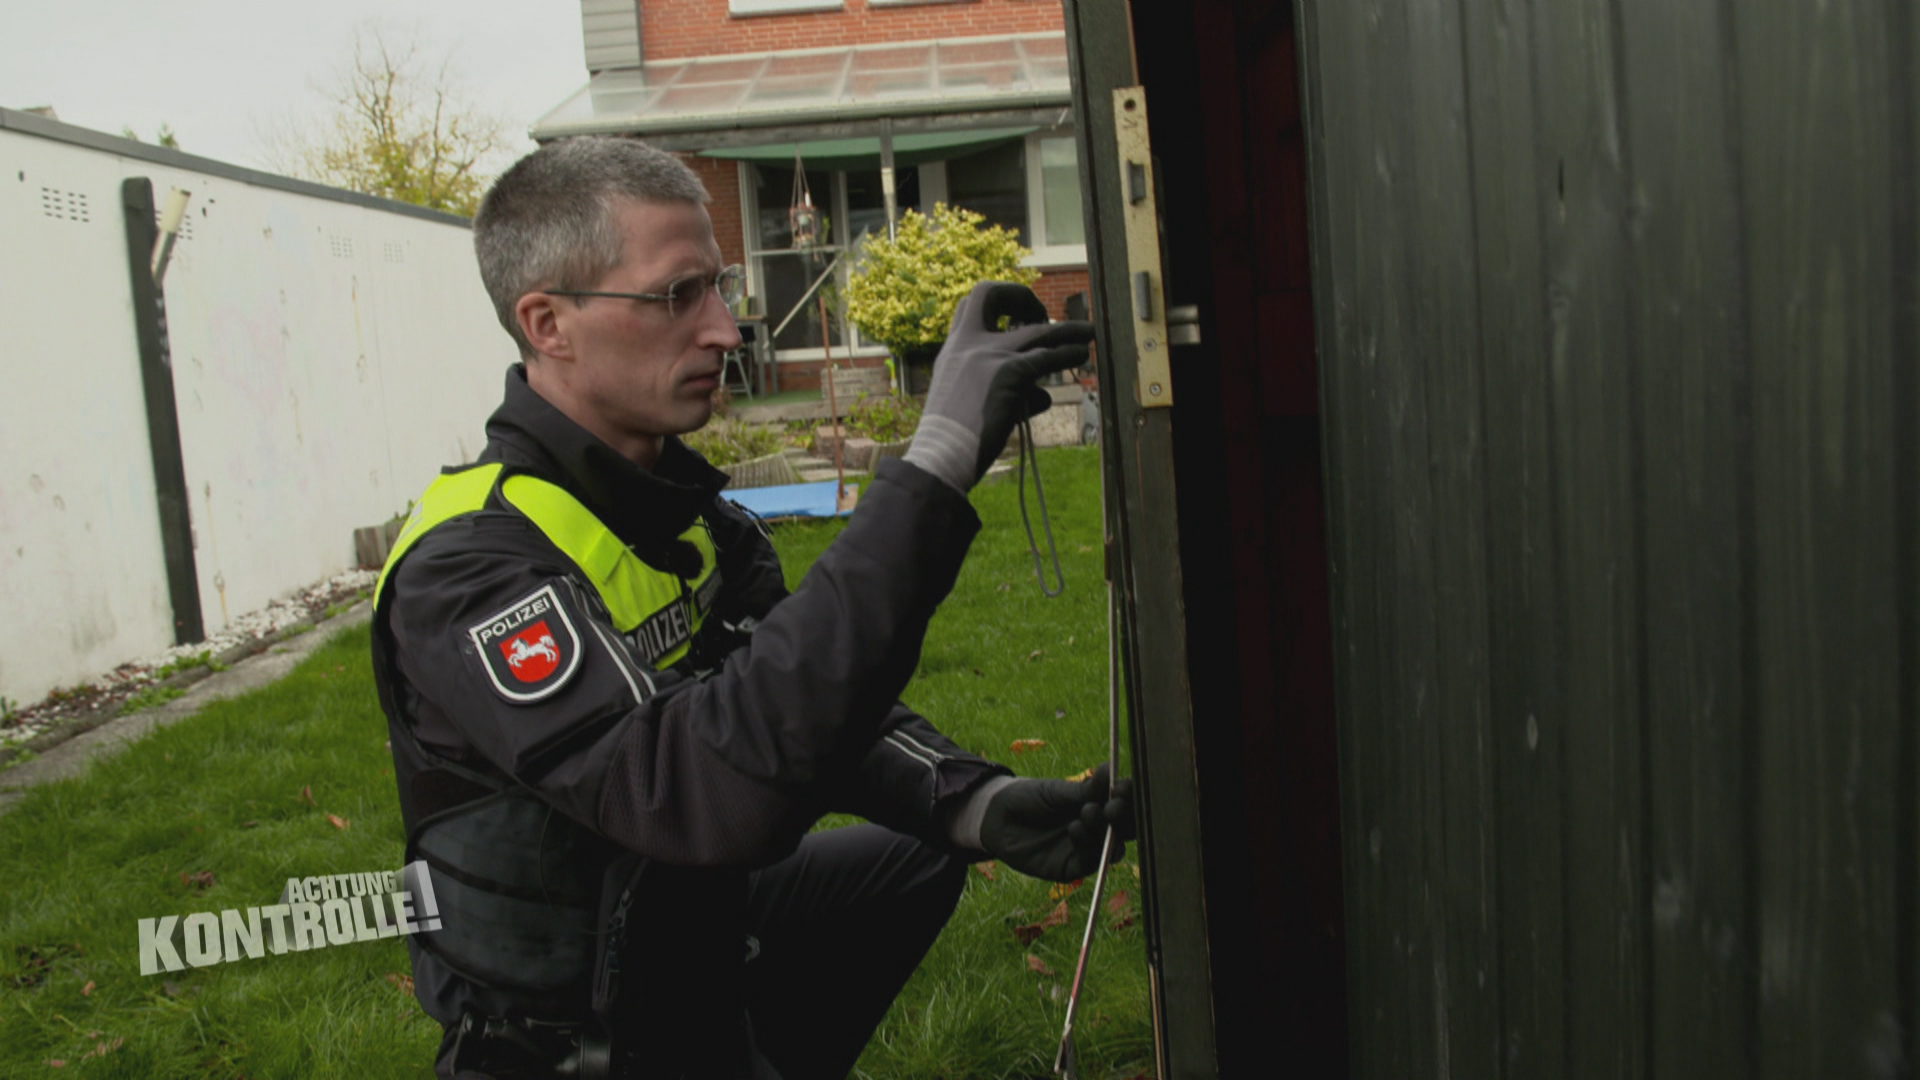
(1055, 286)
(675, 28)
(722, 179)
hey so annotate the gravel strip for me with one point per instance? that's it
(68, 711)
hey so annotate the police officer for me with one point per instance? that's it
(612, 727)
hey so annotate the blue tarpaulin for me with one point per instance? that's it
(791, 500)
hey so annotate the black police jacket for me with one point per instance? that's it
(786, 709)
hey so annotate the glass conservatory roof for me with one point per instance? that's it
(712, 93)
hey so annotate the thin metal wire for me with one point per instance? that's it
(1065, 1064)
(1030, 457)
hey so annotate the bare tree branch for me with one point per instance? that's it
(399, 129)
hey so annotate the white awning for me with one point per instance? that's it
(807, 86)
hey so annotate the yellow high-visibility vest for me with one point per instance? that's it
(657, 610)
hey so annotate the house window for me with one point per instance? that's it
(853, 205)
(769, 7)
(1057, 220)
(1033, 186)
(993, 183)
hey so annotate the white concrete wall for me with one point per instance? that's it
(328, 359)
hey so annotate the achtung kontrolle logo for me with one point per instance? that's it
(313, 913)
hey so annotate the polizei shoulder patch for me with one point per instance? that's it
(530, 649)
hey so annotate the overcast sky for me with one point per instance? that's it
(218, 71)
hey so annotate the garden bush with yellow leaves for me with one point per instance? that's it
(902, 291)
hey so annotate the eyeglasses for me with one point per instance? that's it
(685, 294)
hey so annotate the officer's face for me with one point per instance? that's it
(641, 371)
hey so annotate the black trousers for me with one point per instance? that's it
(840, 926)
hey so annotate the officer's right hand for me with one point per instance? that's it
(985, 380)
(1054, 829)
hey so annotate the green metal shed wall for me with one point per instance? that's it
(1616, 305)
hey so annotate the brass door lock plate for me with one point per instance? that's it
(1153, 384)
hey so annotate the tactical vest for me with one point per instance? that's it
(528, 898)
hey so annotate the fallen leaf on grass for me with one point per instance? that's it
(338, 821)
(56, 1063)
(103, 1049)
(306, 795)
(1065, 889)
(1036, 654)
(1135, 867)
(87, 990)
(249, 824)
(1021, 746)
(402, 983)
(986, 870)
(1121, 913)
(1037, 965)
(1032, 931)
(1077, 777)
(1059, 714)
(173, 989)
(201, 880)
(1117, 902)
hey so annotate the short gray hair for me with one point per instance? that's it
(548, 222)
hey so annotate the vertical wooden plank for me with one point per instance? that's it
(1594, 406)
(1690, 350)
(1459, 888)
(1359, 301)
(1816, 174)
(1903, 46)
(1523, 588)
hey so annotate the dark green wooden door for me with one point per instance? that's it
(1617, 346)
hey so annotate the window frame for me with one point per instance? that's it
(747, 9)
(1046, 256)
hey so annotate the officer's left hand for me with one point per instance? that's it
(1053, 829)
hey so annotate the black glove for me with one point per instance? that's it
(985, 379)
(1053, 829)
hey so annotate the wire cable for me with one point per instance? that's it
(1030, 458)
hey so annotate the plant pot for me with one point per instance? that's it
(883, 451)
(916, 367)
(769, 471)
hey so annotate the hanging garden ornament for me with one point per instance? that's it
(802, 219)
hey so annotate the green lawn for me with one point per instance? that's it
(83, 861)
